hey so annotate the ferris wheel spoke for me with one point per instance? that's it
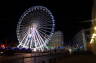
(49, 22)
(41, 41)
(23, 38)
(44, 25)
(25, 42)
(43, 33)
(34, 39)
(44, 28)
(46, 22)
(45, 36)
(24, 33)
(24, 28)
(31, 45)
(23, 25)
(46, 31)
(39, 38)
(42, 36)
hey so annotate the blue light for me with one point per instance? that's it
(81, 47)
(61, 47)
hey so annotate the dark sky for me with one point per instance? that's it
(69, 15)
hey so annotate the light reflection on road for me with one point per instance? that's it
(18, 58)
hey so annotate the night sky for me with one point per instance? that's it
(69, 15)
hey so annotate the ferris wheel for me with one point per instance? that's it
(35, 28)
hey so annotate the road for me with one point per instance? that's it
(77, 59)
(27, 58)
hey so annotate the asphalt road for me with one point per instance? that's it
(27, 58)
(77, 59)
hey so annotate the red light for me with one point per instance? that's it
(3, 46)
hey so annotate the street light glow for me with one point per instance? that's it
(93, 36)
(95, 28)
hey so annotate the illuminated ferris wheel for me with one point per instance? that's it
(35, 28)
